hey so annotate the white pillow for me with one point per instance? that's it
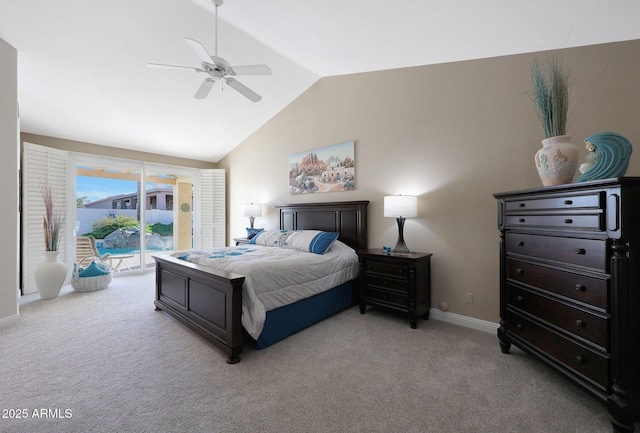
(270, 238)
(313, 241)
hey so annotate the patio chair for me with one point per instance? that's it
(86, 247)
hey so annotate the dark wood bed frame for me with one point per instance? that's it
(210, 301)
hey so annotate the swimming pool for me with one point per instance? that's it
(116, 251)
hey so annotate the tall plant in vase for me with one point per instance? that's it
(50, 274)
(52, 221)
(557, 160)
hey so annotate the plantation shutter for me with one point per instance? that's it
(210, 208)
(41, 166)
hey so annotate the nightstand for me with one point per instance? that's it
(400, 282)
(240, 241)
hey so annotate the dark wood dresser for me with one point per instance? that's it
(570, 285)
(401, 282)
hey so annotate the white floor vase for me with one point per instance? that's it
(50, 275)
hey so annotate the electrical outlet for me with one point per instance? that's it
(468, 298)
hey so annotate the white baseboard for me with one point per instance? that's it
(467, 322)
(8, 321)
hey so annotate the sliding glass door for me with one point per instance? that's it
(134, 209)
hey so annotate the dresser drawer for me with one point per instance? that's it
(387, 268)
(582, 252)
(593, 222)
(580, 287)
(590, 200)
(589, 326)
(589, 363)
(387, 298)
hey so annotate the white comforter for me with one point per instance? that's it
(277, 276)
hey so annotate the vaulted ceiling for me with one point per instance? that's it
(82, 64)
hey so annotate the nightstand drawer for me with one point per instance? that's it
(589, 363)
(379, 281)
(589, 326)
(583, 252)
(385, 268)
(389, 298)
(577, 286)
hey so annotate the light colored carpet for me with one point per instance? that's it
(116, 365)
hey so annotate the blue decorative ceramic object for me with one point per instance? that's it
(608, 156)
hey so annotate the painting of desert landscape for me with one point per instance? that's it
(329, 169)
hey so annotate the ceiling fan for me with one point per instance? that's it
(218, 68)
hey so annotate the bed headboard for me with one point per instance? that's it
(347, 217)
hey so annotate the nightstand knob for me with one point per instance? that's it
(519, 299)
(568, 221)
(581, 288)
(521, 220)
(520, 326)
(521, 205)
(521, 244)
(580, 323)
(580, 359)
(568, 202)
(519, 271)
(581, 251)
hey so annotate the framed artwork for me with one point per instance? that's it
(328, 169)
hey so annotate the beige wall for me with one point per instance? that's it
(452, 134)
(96, 149)
(9, 163)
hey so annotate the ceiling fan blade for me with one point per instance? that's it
(251, 70)
(199, 49)
(160, 66)
(204, 89)
(244, 90)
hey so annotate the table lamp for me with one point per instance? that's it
(401, 207)
(252, 211)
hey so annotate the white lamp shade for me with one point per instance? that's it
(405, 206)
(252, 210)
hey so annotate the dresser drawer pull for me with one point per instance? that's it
(581, 251)
(580, 359)
(520, 326)
(580, 323)
(581, 288)
(520, 271)
(568, 221)
(521, 205)
(568, 202)
(521, 220)
(519, 299)
(521, 244)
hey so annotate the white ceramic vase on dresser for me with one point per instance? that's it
(50, 275)
(557, 160)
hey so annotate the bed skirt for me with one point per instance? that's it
(289, 319)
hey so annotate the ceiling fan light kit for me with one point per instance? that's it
(218, 68)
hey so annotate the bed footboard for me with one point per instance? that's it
(206, 300)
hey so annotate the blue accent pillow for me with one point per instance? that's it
(252, 232)
(92, 270)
